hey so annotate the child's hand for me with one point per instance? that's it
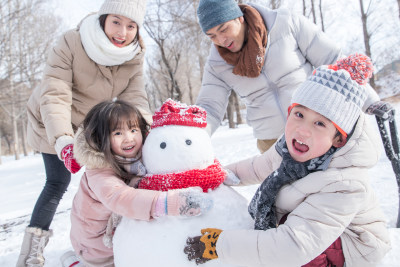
(231, 178)
(185, 202)
(203, 248)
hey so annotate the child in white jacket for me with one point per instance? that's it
(315, 206)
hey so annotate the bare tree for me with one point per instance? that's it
(398, 4)
(178, 55)
(367, 35)
(313, 11)
(23, 56)
(162, 29)
(230, 112)
(274, 4)
(321, 16)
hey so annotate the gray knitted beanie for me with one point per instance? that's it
(133, 9)
(214, 12)
(337, 91)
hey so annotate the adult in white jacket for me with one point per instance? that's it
(263, 55)
(318, 177)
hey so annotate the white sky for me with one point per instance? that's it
(73, 11)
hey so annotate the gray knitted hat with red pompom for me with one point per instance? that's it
(337, 91)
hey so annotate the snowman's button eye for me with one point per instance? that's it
(163, 145)
(188, 142)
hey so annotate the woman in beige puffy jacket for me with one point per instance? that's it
(100, 60)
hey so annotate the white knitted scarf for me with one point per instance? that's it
(99, 48)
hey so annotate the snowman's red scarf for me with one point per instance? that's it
(208, 178)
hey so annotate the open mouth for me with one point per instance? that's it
(300, 146)
(230, 46)
(118, 42)
(128, 148)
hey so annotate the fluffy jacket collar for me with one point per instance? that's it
(87, 156)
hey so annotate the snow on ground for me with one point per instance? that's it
(21, 182)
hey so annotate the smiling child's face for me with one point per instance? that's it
(309, 135)
(126, 141)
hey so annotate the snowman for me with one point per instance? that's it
(178, 154)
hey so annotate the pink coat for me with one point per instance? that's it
(100, 194)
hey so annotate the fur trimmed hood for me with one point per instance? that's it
(87, 156)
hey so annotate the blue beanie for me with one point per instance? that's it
(215, 12)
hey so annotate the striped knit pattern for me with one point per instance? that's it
(335, 93)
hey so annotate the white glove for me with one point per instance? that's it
(231, 178)
(185, 202)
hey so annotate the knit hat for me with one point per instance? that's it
(133, 9)
(338, 91)
(176, 113)
(214, 12)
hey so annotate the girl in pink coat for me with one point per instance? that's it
(109, 144)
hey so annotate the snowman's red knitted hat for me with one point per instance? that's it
(176, 113)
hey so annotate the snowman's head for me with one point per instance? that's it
(177, 148)
(178, 140)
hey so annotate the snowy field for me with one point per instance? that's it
(21, 182)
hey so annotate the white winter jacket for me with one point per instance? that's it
(322, 206)
(295, 45)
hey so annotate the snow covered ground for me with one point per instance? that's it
(21, 182)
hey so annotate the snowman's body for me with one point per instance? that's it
(160, 242)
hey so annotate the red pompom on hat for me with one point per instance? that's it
(176, 113)
(359, 67)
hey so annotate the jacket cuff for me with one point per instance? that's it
(62, 142)
(173, 202)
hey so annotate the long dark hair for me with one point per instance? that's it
(102, 120)
(102, 20)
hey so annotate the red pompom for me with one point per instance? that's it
(359, 66)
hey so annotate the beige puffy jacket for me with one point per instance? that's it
(72, 84)
(323, 206)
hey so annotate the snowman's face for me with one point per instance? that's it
(177, 148)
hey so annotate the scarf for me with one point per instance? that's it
(208, 178)
(99, 48)
(250, 59)
(133, 165)
(261, 206)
